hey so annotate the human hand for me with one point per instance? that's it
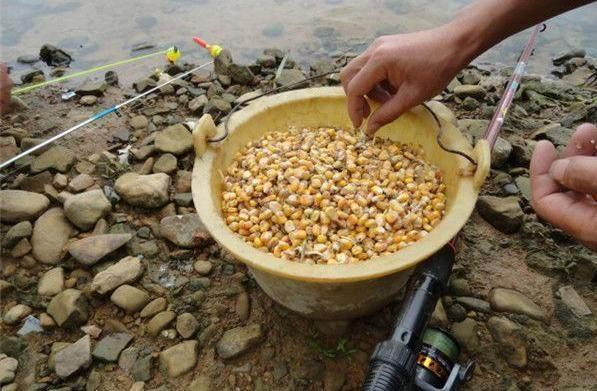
(564, 190)
(5, 87)
(400, 71)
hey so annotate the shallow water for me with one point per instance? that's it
(97, 32)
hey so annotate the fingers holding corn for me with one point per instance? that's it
(325, 196)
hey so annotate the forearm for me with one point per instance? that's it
(485, 23)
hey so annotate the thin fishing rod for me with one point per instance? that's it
(501, 111)
(22, 90)
(98, 116)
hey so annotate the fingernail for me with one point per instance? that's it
(558, 169)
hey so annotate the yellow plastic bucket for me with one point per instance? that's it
(338, 291)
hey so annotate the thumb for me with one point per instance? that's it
(403, 100)
(578, 173)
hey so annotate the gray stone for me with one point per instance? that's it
(217, 105)
(50, 234)
(20, 249)
(159, 322)
(166, 163)
(73, 357)
(465, 90)
(465, 333)
(508, 300)
(19, 205)
(510, 339)
(291, 76)
(472, 303)
(69, 308)
(460, 287)
(174, 139)
(94, 381)
(129, 298)
(196, 105)
(154, 307)
(57, 158)
(28, 59)
(200, 383)
(504, 214)
(80, 183)
(139, 122)
(149, 191)
(203, 267)
(241, 74)
(30, 142)
(125, 271)
(501, 152)
(12, 346)
(181, 229)
(36, 183)
(239, 340)
(16, 313)
(523, 184)
(127, 359)
(21, 230)
(439, 317)
(88, 100)
(85, 209)
(573, 301)
(183, 199)
(88, 251)
(475, 127)
(8, 148)
(469, 103)
(187, 325)
(108, 348)
(179, 359)
(94, 88)
(51, 283)
(8, 369)
(141, 370)
(60, 181)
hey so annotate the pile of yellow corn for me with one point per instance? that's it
(328, 196)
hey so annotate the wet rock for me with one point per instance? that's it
(129, 298)
(179, 359)
(51, 283)
(111, 78)
(501, 152)
(141, 370)
(125, 271)
(166, 163)
(510, 339)
(12, 346)
(90, 250)
(149, 191)
(196, 105)
(522, 151)
(144, 84)
(154, 307)
(54, 56)
(57, 158)
(291, 76)
(460, 287)
(175, 139)
(465, 333)
(471, 76)
(239, 340)
(85, 209)
(573, 301)
(241, 74)
(559, 135)
(181, 229)
(508, 300)
(523, 184)
(223, 62)
(504, 214)
(203, 267)
(561, 58)
(88, 100)
(19, 205)
(266, 61)
(8, 369)
(109, 348)
(8, 148)
(159, 322)
(21, 248)
(456, 313)
(17, 232)
(80, 183)
(69, 308)
(127, 359)
(187, 325)
(472, 303)
(183, 199)
(34, 76)
(50, 234)
(15, 314)
(73, 358)
(474, 91)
